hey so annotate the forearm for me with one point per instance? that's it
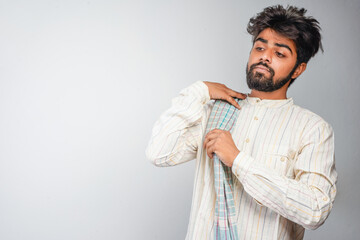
(297, 200)
(178, 132)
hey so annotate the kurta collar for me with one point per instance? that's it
(269, 103)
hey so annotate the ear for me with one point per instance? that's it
(299, 70)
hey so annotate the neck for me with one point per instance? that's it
(275, 95)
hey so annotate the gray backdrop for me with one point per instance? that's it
(82, 83)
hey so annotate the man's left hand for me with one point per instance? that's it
(221, 142)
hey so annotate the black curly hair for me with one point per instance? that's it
(292, 23)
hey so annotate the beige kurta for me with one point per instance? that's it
(285, 171)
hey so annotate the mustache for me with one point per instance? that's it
(264, 65)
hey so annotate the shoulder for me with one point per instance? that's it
(310, 121)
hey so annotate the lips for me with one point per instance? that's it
(262, 68)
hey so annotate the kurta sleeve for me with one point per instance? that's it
(308, 198)
(178, 133)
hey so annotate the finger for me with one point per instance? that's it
(210, 148)
(237, 94)
(216, 130)
(206, 140)
(206, 146)
(213, 134)
(210, 154)
(233, 102)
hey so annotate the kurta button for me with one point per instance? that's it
(257, 100)
(256, 118)
(325, 199)
(247, 140)
(282, 159)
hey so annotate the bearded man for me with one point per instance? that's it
(280, 156)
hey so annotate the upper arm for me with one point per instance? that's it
(177, 134)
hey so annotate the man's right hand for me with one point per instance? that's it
(220, 91)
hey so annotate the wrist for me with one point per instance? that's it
(234, 155)
(207, 84)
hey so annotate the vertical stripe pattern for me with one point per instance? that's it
(282, 181)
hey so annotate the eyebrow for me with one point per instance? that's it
(276, 44)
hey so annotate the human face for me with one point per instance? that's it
(272, 62)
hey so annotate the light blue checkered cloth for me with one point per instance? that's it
(223, 116)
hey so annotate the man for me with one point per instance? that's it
(281, 155)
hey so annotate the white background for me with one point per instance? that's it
(82, 83)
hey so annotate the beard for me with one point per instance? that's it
(259, 82)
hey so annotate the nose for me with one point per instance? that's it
(265, 56)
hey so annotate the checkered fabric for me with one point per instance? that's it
(223, 116)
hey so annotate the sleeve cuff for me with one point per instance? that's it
(200, 91)
(241, 165)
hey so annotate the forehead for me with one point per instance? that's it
(273, 38)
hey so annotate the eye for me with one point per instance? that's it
(280, 55)
(259, 48)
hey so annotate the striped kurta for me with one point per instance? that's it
(284, 175)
